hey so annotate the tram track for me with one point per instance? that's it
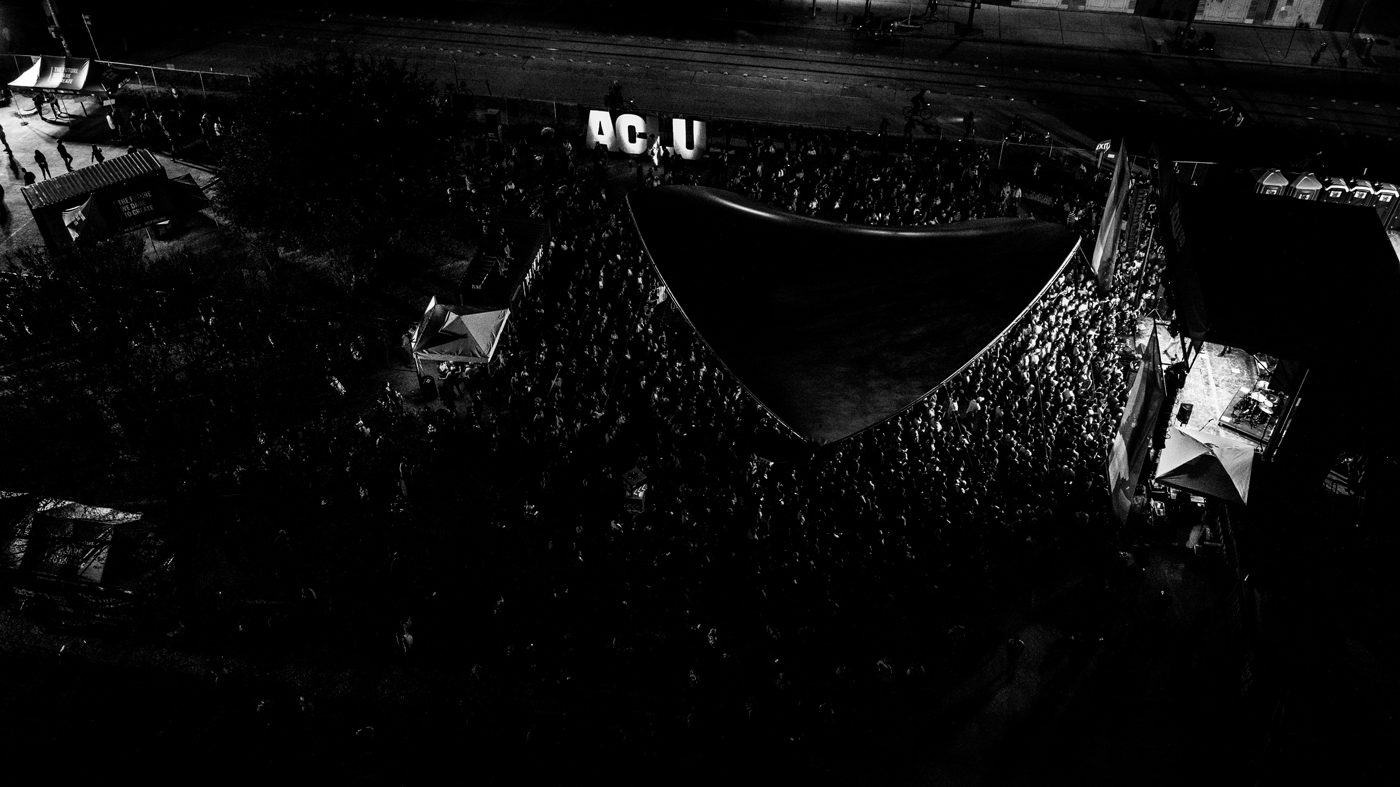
(812, 68)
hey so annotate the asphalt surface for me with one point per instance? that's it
(791, 69)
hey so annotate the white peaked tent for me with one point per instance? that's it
(449, 333)
(1206, 464)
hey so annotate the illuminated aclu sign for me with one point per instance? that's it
(634, 134)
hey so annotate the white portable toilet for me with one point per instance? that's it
(1305, 186)
(1271, 182)
(1363, 194)
(1336, 191)
(1387, 204)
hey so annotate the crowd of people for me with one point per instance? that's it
(775, 595)
(842, 182)
(754, 597)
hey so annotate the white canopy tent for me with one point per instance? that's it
(457, 335)
(58, 74)
(1206, 464)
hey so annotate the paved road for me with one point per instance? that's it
(821, 75)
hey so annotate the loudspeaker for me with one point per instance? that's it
(1183, 413)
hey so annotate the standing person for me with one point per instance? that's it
(43, 164)
(4, 141)
(1318, 54)
(97, 157)
(931, 11)
(40, 100)
(65, 155)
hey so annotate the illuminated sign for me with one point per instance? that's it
(632, 134)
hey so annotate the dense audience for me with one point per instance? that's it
(766, 587)
(750, 597)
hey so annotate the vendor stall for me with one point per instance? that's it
(50, 77)
(456, 335)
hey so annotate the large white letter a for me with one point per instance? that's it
(600, 129)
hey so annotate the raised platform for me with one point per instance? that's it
(1253, 413)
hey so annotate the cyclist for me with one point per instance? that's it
(920, 100)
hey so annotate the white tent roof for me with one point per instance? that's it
(1206, 464)
(450, 333)
(52, 72)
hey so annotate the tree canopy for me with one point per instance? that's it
(337, 155)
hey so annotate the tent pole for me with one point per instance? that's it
(143, 90)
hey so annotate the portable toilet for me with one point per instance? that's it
(1388, 204)
(1336, 190)
(1271, 182)
(1305, 186)
(1363, 194)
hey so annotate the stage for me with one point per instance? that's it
(1216, 396)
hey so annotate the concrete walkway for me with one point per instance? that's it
(25, 132)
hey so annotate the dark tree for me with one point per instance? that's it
(338, 155)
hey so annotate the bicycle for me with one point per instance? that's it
(912, 111)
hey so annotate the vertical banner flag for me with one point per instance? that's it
(1145, 400)
(1106, 246)
(1181, 259)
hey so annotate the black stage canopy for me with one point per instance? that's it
(835, 327)
(1293, 278)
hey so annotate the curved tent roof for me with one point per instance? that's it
(59, 74)
(835, 327)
